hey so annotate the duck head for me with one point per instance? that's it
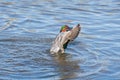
(65, 28)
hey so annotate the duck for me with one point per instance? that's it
(65, 36)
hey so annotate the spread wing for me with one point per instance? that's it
(70, 35)
(74, 32)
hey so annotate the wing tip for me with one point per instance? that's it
(79, 27)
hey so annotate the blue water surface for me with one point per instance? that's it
(28, 27)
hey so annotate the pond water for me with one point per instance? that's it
(28, 27)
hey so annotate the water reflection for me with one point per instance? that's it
(28, 27)
(66, 67)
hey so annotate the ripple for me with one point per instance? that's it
(7, 25)
(28, 28)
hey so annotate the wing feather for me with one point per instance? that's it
(74, 32)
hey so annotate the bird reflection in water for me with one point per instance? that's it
(66, 67)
